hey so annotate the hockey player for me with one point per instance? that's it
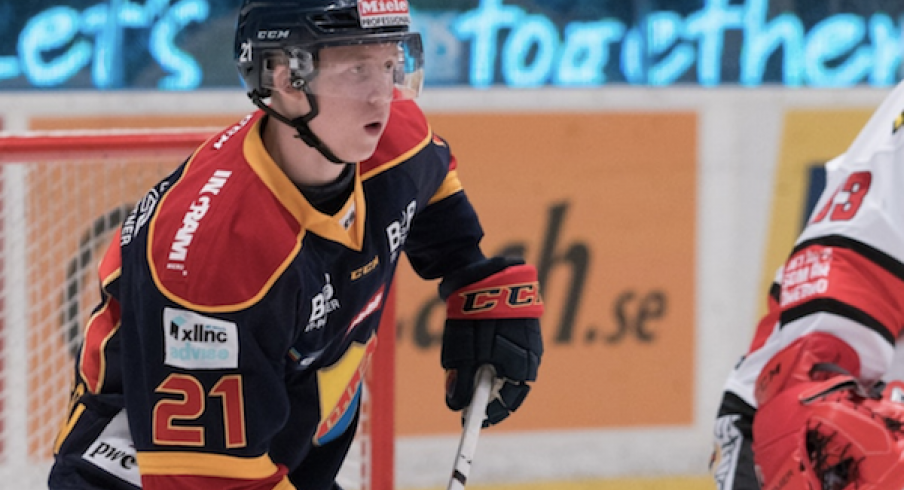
(242, 295)
(804, 408)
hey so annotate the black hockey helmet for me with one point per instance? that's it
(296, 30)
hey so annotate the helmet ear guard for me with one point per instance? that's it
(301, 67)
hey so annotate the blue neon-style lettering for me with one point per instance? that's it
(492, 43)
(59, 42)
(585, 52)
(829, 41)
(9, 67)
(185, 73)
(480, 26)
(708, 26)
(54, 29)
(529, 52)
(887, 42)
(665, 31)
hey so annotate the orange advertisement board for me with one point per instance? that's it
(604, 204)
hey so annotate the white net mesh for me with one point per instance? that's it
(57, 218)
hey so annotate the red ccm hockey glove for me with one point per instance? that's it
(492, 317)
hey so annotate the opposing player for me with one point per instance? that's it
(242, 295)
(803, 408)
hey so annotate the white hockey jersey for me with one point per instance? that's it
(845, 275)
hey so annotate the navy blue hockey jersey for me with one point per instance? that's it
(238, 320)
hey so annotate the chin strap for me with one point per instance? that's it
(300, 124)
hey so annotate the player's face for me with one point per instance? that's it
(354, 88)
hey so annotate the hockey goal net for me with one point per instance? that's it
(61, 197)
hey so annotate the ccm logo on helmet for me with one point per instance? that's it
(511, 296)
(273, 35)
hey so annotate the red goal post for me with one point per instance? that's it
(62, 194)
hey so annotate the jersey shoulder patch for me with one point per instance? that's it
(220, 238)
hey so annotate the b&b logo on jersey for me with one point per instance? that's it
(322, 304)
(194, 341)
(397, 231)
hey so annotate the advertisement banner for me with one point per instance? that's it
(186, 45)
(604, 205)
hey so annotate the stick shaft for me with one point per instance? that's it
(474, 416)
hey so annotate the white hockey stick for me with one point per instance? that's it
(474, 416)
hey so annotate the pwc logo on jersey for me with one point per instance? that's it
(114, 452)
(383, 13)
(192, 219)
(195, 341)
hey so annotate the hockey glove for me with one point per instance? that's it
(492, 317)
(834, 434)
(816, 356)
(809, 369)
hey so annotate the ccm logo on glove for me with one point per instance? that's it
(493, 313)
(512, 293)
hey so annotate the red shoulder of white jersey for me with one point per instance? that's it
(850, 256)
(845, 275)
(407, 133)
(232, 217)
